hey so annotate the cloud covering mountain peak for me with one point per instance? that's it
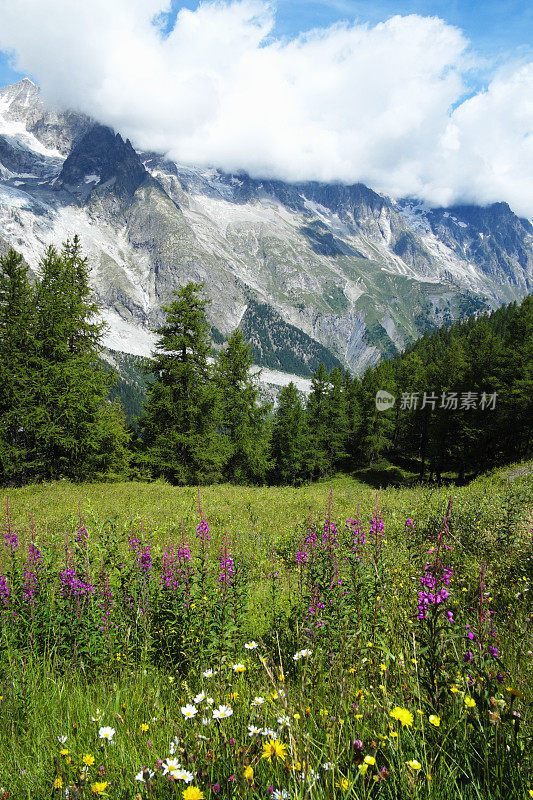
(388, 105)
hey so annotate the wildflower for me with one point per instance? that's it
(222, 712)
(281, 795)
(362, 768)
(402, 715)
(106, 733)
(251, 645)
(454, 690)
(144, 775)
(370, 760)
(98, 716)
(199, 697)
(343, 784)
(183, 775)
(414, 764)
(248, 774)
(209, 673)
(64, 752)
(210, 701)
(239, 668)
(61, 739)
(258, 701)
(170, 766)
(192, 793)
(327, 765)
(274, 748)
(253, 731)
(144, 727)
(189, 711)
(434, 720)
(58, 783)
(88, 760)
(469, 702)
(99, 787)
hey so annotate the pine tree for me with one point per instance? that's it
(70, 384)
(17, 359)
(290, 439)
(319, 424)
(181, 415)
(243, 420)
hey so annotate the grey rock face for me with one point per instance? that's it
(309, 271)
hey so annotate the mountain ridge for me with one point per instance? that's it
(357, 273)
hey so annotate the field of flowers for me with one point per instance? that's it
(376, 645)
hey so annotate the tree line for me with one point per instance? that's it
(462, 396)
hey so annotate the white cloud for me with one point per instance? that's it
(348, 103)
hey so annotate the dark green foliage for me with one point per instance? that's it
(290, 439)
(56, 420)
(243, 420)
(278, 345)
(181, 417)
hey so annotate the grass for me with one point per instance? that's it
(133, 653)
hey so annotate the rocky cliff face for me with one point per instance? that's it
(310, 271)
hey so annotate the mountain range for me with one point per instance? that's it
(310, 272)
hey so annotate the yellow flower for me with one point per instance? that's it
(454, 689)
(99, 787)
(88, 759)
(359, 716)
(469, 702)
(58, 783)
(434, 720)
(402, 715)
(362, 768)
(296, 717)
(414, 764)
(248, 774)
(192, 793)
(370, 760)
(64, 752)
(343, 784)
(274, 748)
(393, 735)
(234, 695)
(144, 727)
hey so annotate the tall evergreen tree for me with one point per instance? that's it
(243, 420)
(319, 424)
(17, 358)
(181, 415)
(70, 411)
(290, 439)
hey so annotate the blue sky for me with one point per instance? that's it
(499, 30)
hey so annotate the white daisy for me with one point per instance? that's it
(171, 766)
(222, 712)
(251, 645)
(61, 739)
(253, 731)
(106, 733)
(258, 701)
(183, 775)
(189, 711)
(209, 673)
(199, 697)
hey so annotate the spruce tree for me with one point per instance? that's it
(181, 416)
(17, 362)
(319, 424)
(70, 411)
(243, 420)
(290, 439)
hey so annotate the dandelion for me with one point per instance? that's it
(222, 712)
(88, 760)
(189, 711)
(402, 715)
(106, 733)
(274, 748)
(192, 793)
(414, 764)
(248, 774)
(239, 668)
(434, 720)
(99, 787)
(469, 702)
(251, 645)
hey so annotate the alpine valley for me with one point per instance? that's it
(310, 272)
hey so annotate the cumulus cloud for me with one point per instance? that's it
(380, 104)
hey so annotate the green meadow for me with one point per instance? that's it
(330, 641)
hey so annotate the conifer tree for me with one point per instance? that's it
(319, 424)
(243, 420)
(17, 359)
(290, 439)
(181, 415)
